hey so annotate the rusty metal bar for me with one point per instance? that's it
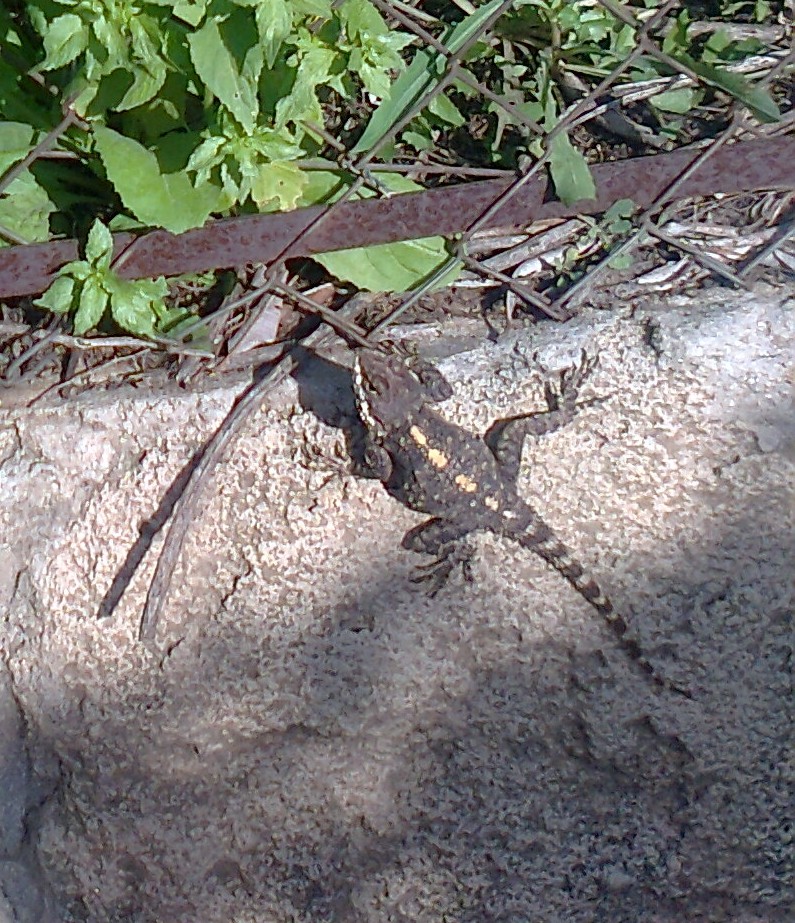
(743, 167)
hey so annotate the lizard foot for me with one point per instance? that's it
(563, 394)
(436, 573)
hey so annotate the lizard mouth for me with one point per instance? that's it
(387, 393)
(364, 392)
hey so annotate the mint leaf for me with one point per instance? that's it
(66, 37)
(26, 208)
(134, 305)
(163, 200)
(147, 81)
(279, 183)
(274, 22)
(16, 141)
(91, 306)
(58, 297)
(99, 246)
(217, 67)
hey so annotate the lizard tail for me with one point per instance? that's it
(547, 545)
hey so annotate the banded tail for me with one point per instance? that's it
(543, 541)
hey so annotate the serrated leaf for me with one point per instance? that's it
(387, 267)
(569, 170)
(91, 306)
(302, 103)
(99, 246)
(190, 12)
(162, 200)
(110, 37)
(361, 17)
(16, 141)
(78, 269)
(26, 209)
(280, 182)
(66, 37)
(219, 71)
(58, 297)
(147, 81)
(132, 308)
(274, 21)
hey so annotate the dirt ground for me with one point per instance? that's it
(311, 738)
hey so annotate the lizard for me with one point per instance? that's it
(466, 483)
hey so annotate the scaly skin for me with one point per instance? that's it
(465, 483)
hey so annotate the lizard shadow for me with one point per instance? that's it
(325, 389)
(426, 759)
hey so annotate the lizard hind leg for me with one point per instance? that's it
(445, 541)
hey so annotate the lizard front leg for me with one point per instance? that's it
(505, 437)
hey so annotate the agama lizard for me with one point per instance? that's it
(466, 483)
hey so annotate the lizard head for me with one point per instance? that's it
(387, 391)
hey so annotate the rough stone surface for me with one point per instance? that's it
(312, 739)
(14, 771)
(24, 895)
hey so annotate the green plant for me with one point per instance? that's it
(89, 289)
(193, 108)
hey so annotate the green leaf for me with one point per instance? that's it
(190, 12)
(66, 37)
(219, 71)
(111, 38)
(280, 184)
(756, 98)
(91, 306)
(417, 141)
(406, 90)
(620, 261)
(146, 84)
(99, 245)
(569, 170)
(26, 209)
(78, 269)
(25, 206)
(274, 21)
(677, 101)
(443, 109)
(387, 267)
(469, 27)
(168, 201)
(132, 304)
(362, 18)
(16, 142)
(58, 297)
(302, 103)
(421, 75)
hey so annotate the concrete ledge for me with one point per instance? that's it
(314, 739)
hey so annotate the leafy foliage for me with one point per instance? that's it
(193, 108)
(89, 289)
